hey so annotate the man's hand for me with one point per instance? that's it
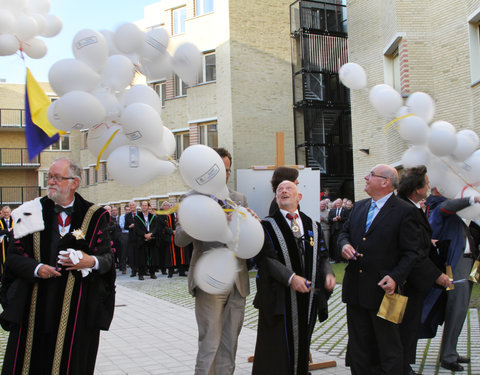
(348, 252)
(86, 262)
(388, 284)
(299, 284)
(253, 214)
(330, 282)
(148, 236)
(443, 280)
(131, 225)
(45, 272)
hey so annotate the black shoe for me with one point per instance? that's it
(462, 359)
(182, 274)
(452, 366)
(133, 274)
(164, 271)
(414, 373)
(140, 277)
(153, 276)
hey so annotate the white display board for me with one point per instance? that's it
(255, 184)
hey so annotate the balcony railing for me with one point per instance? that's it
(16, 195)
(12, 118)
(17, 158)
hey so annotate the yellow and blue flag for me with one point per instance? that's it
(39, 133)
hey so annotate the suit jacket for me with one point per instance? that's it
(183, 239)
(140, 228)
(389, 247)
(336, 226)
(8, 234)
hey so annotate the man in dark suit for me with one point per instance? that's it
(380, 242)
(53, 305)
(6, 226)
(336, 218)
(293, 284)
(132, 241)
(413, 188)
(146, 231)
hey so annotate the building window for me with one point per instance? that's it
(208, 134)
(209, 71)
(161, 89)
(63, 144)
(105, 172)
(95, 175)
(203, 7)
(474, 41)
(179, 87)
(391, 63)
(44, 180)
(179, 15)
(86, 176)
(84, 139)
(183, 141)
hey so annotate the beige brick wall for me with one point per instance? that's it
(438, 63)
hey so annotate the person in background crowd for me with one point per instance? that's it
(336, 217)
(132, 241)
(325, 194)
(123, 239)
(6, 234)
(146, 232)
(281, 174)
(53, 307)
(324, 222)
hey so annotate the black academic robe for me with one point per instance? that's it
(6, 240)
(274, 351)
(92, 299)
(175, 256)
(146, 252)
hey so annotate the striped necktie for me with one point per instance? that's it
(371, 211)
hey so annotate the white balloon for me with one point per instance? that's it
(71, 74)
(91, 47)
(118, 73)
(53, 25)
(112, 106)
(187, 61)
(41, 22)
(215, 271)
(415, 156)
(155, 43)
(385, 100)
(38, 6)
(133, 166)
(442, 175)
(204, 219)
(7, 20)
(142, 94)
(203, 170)
(248, 235)
(17, 7)
(112, 48)
(8, 44)
(413, 129)
(422, 105)
(168, 145)
(442, 140)
(470, 212)
(353, 76)
(25, 27)
(79, 110)
(470, 168)
(467, 142)
(99, 135)
(129, 38)
(35, 48)
(143, 126)
(53, 116)
(158, 68)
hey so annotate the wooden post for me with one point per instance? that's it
(280, 157)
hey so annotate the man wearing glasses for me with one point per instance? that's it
(58, 289)
(380, 242)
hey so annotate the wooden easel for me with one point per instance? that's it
(280, 161)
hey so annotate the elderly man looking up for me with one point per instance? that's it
(380, 240)
(293, 285)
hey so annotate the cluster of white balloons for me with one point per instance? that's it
(21, 22)
(452, 158)
(96, 93)
(202, 217)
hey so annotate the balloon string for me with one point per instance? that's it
(467, 184)
(395, 120)
(105, 147)
(174, 162)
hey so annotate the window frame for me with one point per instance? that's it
(203, 133)
(61, 143)
(180, 137)
(178, 84)
(200, 10)
(179, 16)
(202, 74)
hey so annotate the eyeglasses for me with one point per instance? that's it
(372, 174)
(57, 178)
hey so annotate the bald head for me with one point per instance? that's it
(382, 180)
(288, 196)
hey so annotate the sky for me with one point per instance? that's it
(75, 15)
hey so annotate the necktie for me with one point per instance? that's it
(371, 211)
(67, 210)
(295, 227)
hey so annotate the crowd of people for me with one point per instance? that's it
(404, 243)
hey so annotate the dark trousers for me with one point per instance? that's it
(374, 344)
(123, 239)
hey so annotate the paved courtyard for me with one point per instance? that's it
(154, 332)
